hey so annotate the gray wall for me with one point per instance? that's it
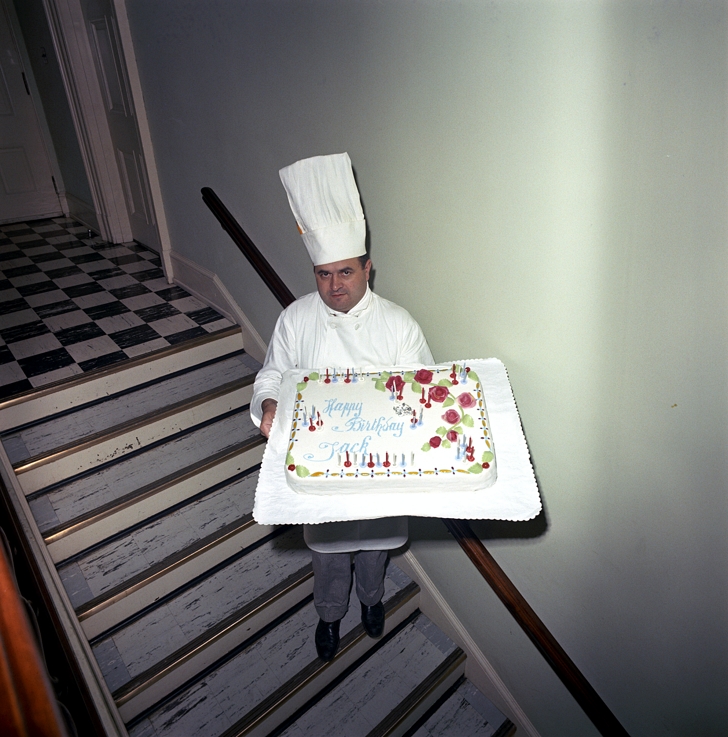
(544, 182)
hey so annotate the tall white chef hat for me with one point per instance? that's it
(325, 202)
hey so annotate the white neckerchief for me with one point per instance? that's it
(356, 310)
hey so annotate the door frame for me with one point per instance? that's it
(82, 86)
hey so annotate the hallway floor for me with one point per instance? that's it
(70, 303)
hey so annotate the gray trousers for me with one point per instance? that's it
(332, 580)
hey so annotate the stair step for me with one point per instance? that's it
(73, 498)
(139, 646)
(62, 463)
(390, 690)
(35, 404)
(73, 426)
(263, 682)
(143, 507)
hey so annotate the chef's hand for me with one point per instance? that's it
(269, 408)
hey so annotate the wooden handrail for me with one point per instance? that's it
(556, 657)
(563, 665)
(27, 704)
(231, 226)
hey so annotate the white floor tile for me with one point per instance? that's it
(221, 324)
(142, 300)
(66, 320)
(93, 348)
(136, 266)
(93, 300)
(21, 317)
(119, 322)
(156, 285)
(23, 238)
(46, 298)
(10, 372)
(34, 346)
(59, 263)
(64, 239)
(21, 281)
(73, 280)
(188, 304)
(139, 350)
(8, 294)
(116, 282)
(62, 373)
(175, 324)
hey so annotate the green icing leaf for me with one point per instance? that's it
(458, 429)
(441, 431)
(445, 443)
(448, 402)
(468, 421)
(425, 447)
(473, 376)
(409, 376)
(314, 376)
(302, 471)
(379, 386)
(416, 388)
(444, 382)
(301, 386)
(289, 460)
(385, 375)
(487, 456)
(475, 468)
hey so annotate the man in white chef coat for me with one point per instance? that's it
(342, 324)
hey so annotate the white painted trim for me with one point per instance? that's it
(145, 136)
(59, 601)
(477, 667)
(207, 286)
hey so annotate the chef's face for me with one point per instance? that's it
(342, 284)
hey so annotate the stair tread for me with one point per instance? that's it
(112, 564)
(465, 713)
(242, 682)
(363, 699)
(160, 632)
(84, 421)
(90, 491)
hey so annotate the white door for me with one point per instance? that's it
(112, 73)
(27, 191)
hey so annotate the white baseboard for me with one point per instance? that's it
(207, 286)
(477, 667)
(81, 211)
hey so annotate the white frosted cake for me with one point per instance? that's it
(359, 431)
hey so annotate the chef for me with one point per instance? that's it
(343, 323)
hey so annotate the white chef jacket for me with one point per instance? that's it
(308, 334)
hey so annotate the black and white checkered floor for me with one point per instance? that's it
(69, 304)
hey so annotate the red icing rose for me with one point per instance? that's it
(452, 436)
(423, 376)
(451, 416)
(466, 400)
(435, 441)
(438, 393)
(395, 383)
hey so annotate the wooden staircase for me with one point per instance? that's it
(134, 487)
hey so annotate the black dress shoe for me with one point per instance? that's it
(372, 617)
(327, 639)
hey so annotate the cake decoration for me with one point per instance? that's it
(358, 431)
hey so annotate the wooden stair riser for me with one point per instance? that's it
(86, 388)
(36, 475)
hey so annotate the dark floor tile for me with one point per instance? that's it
(157, 312)
(21, 271)
(129, 259)
(20, 231)
(27, 330)
(106, 360)
(65, 271)
(9, 390)
(106, 273)
(79, 290)
(137, 247)
(43, 258)
(4, 241)
(9, 255)
(44, 362)
(38, 287)
(78, 333)
(27, 245)
(5, 355)
(172, 293)
(69, 245)
(134, 336)
(86, 258)
(134, 290)
(205, 315)
(13, 305)
(147, 274)
(106, 310)
(104, 246)
(56, 308)
(5, 284)
(185, 335)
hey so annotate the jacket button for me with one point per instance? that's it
(357, 326)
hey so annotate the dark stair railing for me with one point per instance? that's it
(564, 667)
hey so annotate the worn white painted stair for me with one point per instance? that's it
(135, 485)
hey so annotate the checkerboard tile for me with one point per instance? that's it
(69, 304)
